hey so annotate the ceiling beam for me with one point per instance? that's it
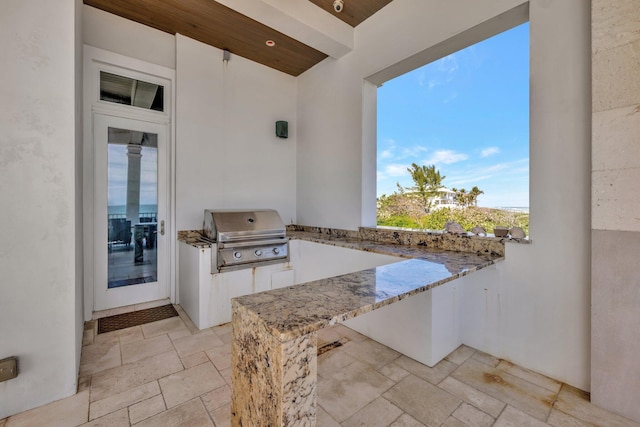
(301, 20)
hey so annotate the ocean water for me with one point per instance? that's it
(519, 209)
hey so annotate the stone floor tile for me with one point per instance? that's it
(472, 416)
(165, 326)
(87, 337)
(349, 333)
(194, 359)
(532, 377)
(226, 374)
(138, 350)
(393, 372)
(132, 375)
(423, 401)
(217, 398)
(187, 321)
(380, 412)
(220, 356)
(222, 329)
(70, 411)
(99, 357)
(328, 335)
(222, 416)
(121, 400)
(460, 354)
(406, 420)
(523, 395)
(227, 338)
(179, 334)
(196, 343)
(191, 413)
(131, 335)
(188, 384)
(333, 360)
(322, 418)
(344, 392)
(560, 419)
(147, 408)
(3, 422)
(453, 422)
(84, 383)
(434, 375)
(472, 396)
(372, 353)
(512, 417)
(115, 419)
(486, 358)
(576, 403)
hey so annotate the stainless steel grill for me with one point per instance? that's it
(245, 238)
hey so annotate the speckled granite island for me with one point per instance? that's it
(274, 352)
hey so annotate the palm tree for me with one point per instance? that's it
(474, 193)
(428, 180)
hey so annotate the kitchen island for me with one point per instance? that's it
(274, 350)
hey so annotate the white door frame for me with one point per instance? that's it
(96, 60)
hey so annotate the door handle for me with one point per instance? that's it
(162, 227)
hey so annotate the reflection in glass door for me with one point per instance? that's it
(130, 212)
(132, 209)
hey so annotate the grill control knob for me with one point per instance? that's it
(276, 251)
(237, 255)
(258, 252)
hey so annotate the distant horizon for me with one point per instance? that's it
(467, 114)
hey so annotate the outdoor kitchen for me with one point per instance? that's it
(248, 260)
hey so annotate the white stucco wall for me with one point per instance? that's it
(227, 153)
(335, 136)
(110, 32)
(38, 306)
(535, 310)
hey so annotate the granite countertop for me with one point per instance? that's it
(301, 309)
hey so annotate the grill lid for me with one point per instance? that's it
(232, 225)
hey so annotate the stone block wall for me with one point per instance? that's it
(615, 293)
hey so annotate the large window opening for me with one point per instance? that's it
(453, 139)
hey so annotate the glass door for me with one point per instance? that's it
(130, 211)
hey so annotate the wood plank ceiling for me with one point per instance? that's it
(217, 25)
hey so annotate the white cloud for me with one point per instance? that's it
(409, 152)
(489, 151)
(386, 154)
(445, 157)
(473, 176)
(396, 170)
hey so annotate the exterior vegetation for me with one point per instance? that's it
(417, 206)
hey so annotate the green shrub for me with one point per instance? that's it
(467, 217)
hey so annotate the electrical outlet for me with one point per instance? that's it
(8, 368)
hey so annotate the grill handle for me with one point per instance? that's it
(223, 245)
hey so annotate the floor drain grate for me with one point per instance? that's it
(328, 347)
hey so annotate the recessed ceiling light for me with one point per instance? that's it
(270, 43)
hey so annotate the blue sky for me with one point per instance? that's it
(467, 113)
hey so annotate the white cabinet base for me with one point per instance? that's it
(206, 297)
(424, 327)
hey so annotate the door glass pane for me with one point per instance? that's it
(128, 91)
(132, 159)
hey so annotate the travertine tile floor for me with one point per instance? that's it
(168, 373)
